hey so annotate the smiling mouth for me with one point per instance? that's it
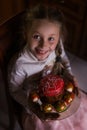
(41, 52)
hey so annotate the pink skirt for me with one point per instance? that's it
(77, 121)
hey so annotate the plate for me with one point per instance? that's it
(54, 115)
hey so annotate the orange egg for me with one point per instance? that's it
(70, 87)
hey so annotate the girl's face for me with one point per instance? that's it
(43, 38)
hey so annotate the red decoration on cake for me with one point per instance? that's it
(51, 85)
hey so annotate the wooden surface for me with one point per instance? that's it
(10, 8)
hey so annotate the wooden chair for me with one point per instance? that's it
(9, 45)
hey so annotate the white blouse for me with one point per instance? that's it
(26, 65)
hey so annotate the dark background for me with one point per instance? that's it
(75, 16)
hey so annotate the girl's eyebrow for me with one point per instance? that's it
(52, 35)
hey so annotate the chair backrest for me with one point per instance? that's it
(9, 45)
(9, 38)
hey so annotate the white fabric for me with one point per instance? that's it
(27, 65)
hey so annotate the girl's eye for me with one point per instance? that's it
(36, 37)
(51, 39)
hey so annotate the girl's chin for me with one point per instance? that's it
(41, 57)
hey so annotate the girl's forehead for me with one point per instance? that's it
(44, 24)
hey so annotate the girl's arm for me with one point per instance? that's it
(15, 79)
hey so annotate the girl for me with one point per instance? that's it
(43, 30)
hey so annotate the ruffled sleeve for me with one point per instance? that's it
(16, 77)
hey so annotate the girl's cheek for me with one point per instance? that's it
(33, 46)
(53, 47)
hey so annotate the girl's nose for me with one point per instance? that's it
(43, 43)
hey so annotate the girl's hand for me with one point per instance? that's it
(35, 77)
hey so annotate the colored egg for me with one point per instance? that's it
(70, 87)
(47, 108)
(61, 106)
(69, 98)
(34, 97)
